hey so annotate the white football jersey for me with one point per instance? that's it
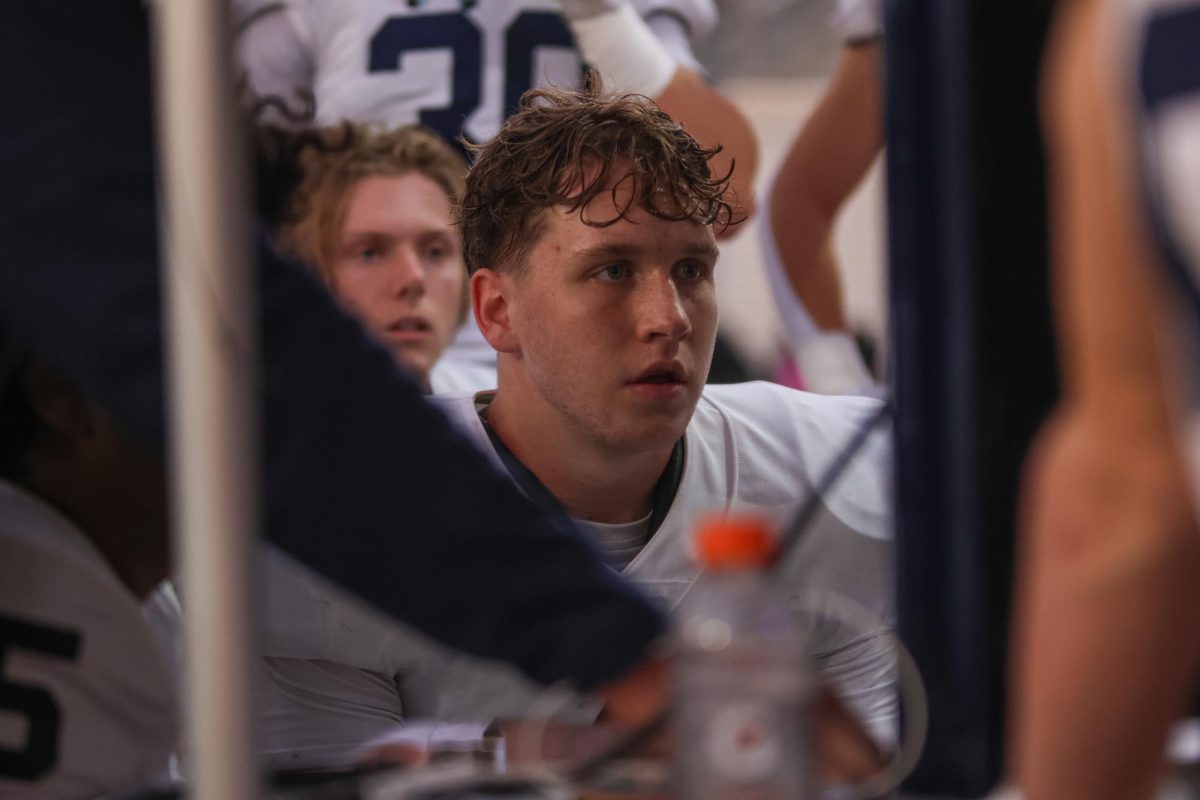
(87, 702)
(455, 66)
(754, 448)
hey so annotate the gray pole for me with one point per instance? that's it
(213, 351)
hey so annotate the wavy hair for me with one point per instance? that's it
(327, 163)
(565, 148)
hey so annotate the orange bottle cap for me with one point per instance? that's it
(734, 542)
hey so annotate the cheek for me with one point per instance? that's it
(352, 288)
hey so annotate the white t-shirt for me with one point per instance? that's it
(88, 705)
(749, 448)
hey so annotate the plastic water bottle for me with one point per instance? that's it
(741, 679)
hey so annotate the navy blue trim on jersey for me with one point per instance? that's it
(1169, 62)
(1168, 70)
(661, 497)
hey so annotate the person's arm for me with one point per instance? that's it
(712, 119)
(825, 164)
(364, 481)
(630, 56)
(1106, 640)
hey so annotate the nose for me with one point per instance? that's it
(406, 274)
(661, 313)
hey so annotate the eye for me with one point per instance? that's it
(368, 253)
(693, 270)
(613, 272)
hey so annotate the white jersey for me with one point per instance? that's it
(87, 701)
(454, 66)
(749, 448)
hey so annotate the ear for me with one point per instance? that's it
(490, 301)
(57, 404)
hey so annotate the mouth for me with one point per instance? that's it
(663, 380)
(408, 329)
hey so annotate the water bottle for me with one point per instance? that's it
(742, 684)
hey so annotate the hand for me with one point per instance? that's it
(844, 752)
(395, 754)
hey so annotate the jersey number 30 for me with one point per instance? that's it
(530, 30)
(33, 704)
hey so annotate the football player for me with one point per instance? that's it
(588, 226)
(85, 690)
(1108, 641)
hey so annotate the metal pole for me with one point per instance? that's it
(213, 350)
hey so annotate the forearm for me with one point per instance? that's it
(712, 119)
(1109, 646)
(827, 161)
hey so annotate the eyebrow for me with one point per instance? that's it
(623, 250)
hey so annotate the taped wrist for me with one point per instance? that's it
(616, 41)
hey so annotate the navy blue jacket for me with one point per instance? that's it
(364, 481)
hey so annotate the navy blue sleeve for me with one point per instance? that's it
(365, 482)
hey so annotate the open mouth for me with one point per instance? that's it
(665, 379)
(409, 326)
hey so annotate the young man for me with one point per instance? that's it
(588, 229)
(373, 214)
(588, 226)
(87, 695)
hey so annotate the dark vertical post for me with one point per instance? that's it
(972, 352)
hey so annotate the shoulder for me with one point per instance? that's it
(788, 412)
(781, 443)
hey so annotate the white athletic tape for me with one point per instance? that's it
(627, 54)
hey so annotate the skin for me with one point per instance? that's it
(825, 164)
(399, 266)
(576, 329)
(1107, 650)
(713, 119)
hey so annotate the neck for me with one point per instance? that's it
(592, 481)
